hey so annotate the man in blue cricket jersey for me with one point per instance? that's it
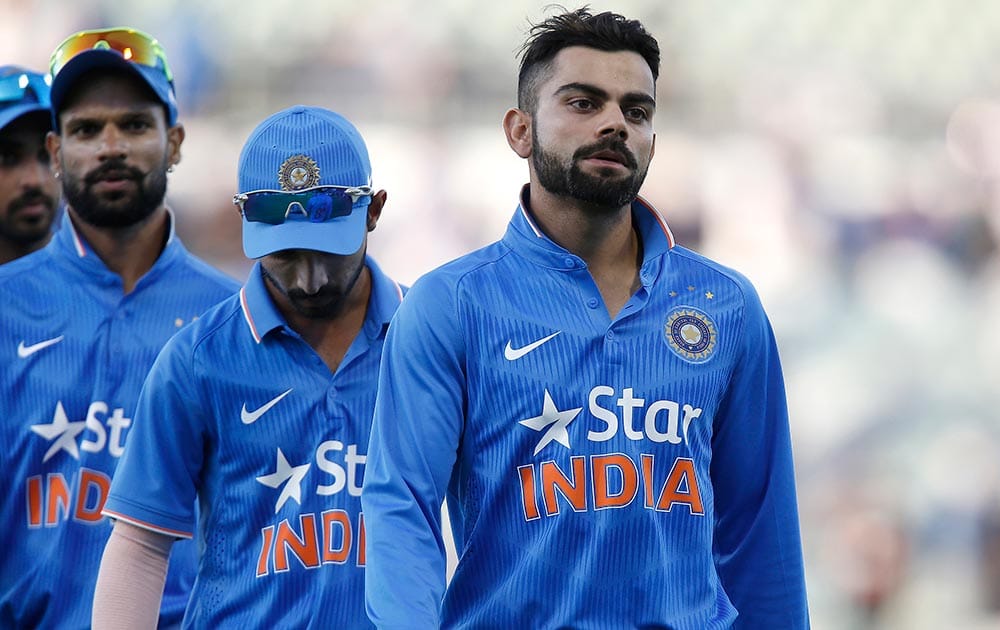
(82, 321)
(603, 409)
(262, 409)
(28, 191)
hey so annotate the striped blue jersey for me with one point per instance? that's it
(75, 349)
(242, 414)
(599, 473)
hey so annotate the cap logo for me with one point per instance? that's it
(298, 172)
(691, 334)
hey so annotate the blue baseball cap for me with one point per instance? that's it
(304, 147)
(22, 92)
(124, 49)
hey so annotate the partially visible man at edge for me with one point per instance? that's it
(83, 320)
(28, 191)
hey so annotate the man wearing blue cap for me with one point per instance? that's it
(82, 322)
(261, 410)
(28, 191)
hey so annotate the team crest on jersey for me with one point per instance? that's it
(298, 172)
(691, 334)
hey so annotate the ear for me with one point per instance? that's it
(517, 127)
(375, 208)
(175, 137)
(652, 147)
(53, 144)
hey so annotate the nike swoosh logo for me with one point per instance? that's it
(249, 417)
(24, 351)
(513, 354)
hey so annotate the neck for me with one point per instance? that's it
(604, 238)
(330, 337)
(131, 251)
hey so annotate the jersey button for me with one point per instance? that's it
(569, 262)
(592, 302)
(610, 336)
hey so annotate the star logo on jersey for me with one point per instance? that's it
(555, 420)
(290, 476)
(62, 431)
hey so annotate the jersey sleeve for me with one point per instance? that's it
(414, 440)
(758, 551)
(155, 483)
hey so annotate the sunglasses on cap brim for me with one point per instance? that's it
(14, 87)
(316, 204)
(132, 45)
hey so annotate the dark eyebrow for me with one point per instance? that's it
(638, 98)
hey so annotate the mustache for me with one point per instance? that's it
(298, 295)
(615, 144)
(113, 169)
(31, 197)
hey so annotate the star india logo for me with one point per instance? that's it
(690, 334)
(298, 172)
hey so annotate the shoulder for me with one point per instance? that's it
(208, 275)
(215, 328)
(447, 282)
(27, 268)
(433, 305)
(705, 266)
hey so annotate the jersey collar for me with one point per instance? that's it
(69, 245)
(526, 238)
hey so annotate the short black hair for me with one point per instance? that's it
(606, 31)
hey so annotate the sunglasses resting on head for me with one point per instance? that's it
(15, 87)
(316, 204)
(132, 44)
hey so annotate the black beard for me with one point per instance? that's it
(572, 182)
(115, 210)
(25, 234)
(331, 303)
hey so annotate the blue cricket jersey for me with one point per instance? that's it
(240, 412)
(600, 473)
(75, 349)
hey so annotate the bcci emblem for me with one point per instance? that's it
(691, 334)
(298, 172)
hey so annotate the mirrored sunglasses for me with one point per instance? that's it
(131, 44)
(316, 204)
(15, 87)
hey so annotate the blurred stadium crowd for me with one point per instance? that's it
(844, 156)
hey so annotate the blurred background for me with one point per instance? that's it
(843, 155)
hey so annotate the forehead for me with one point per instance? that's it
(615, 72)
(108, 93)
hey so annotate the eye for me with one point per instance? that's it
(9, 158)
(84, 129)
(583, 104)
(136, 125)
(638, 114)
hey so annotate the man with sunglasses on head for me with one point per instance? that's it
(83, 320)
(28, 191)
(262, 409)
